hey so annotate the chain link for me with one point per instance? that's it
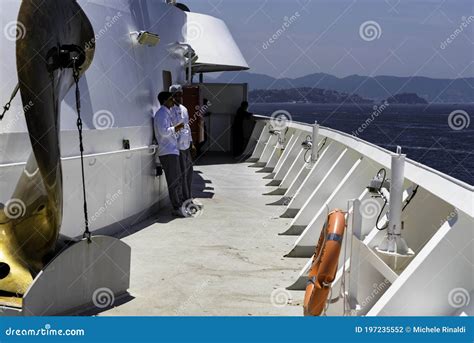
(87, 233)
(7, 106)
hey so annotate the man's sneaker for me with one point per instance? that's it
(191, 208)
(198, 205)
(179, 213)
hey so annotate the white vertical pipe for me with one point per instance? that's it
(396, 193)
(190, 72)
(353, 287)
(356, 219)
(314, 148)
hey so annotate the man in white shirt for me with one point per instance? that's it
(166, 132)
(185, 144)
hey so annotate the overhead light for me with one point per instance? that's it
(146, 38)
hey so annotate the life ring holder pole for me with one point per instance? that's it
(348, 295)
(315, 139)
(354, 232)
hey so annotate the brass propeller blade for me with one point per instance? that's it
(31, 220)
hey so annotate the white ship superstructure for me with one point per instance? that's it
(119, 99)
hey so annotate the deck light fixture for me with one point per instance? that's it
(146, 38)
(311, 145)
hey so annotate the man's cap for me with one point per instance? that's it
(176, 89)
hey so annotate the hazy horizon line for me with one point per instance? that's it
(341, 77)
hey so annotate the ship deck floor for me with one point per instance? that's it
(228, 261)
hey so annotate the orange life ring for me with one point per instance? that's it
(324, 267)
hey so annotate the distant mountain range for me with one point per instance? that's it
(375, 88)
(305, 95)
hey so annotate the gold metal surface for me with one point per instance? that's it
(11, 301)
(29, 232)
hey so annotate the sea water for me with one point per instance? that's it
(440, 136)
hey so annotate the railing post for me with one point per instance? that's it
(356, 235)
(314, 148)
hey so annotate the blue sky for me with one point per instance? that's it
(326, 36)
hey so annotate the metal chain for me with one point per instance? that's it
(9, 103)
(87, 233)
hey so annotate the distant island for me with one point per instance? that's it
(406, 98)
(377, 88)
(305, 95)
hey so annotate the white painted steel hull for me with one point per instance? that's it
(438, 227)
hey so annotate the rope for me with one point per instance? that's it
(7, 106)
(87, 233)
(411, 197)
(379, 216)
(384, 171)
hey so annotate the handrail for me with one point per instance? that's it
(116, 152)
(108, 153)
